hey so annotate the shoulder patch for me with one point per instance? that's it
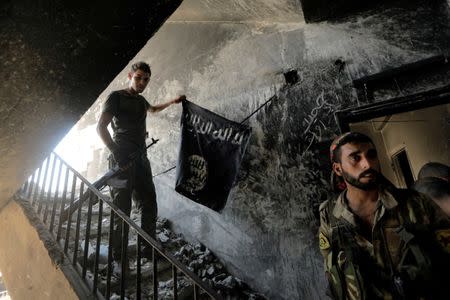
(324, 244)
(443, 237)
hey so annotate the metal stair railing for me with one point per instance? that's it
(53, 186)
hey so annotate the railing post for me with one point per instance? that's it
(69, 221)
(24, 187)
(175, 283)
(110, 256)
(31, 186)
(77, 228)
(123, 258)
(155, 273)
(63, 203)
(44, 183)
(49, 194)
(36, 187)
(87, 234)
(196, 291)
(97, 246)
(138, 269)
(55, 197)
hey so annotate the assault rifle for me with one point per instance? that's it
(102, 182)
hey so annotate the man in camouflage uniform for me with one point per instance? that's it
(379, 242)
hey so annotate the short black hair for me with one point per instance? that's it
(347, 138)
(141, 65)
(434, 169)
(435, 188)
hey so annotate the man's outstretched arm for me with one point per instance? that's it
(160, 107)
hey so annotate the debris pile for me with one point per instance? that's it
(199, 259)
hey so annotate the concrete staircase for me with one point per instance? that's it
(181, 270)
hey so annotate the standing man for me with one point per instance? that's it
(434, 181)
(127, 110)
(435, 169)
(437, 189)
(379, 242)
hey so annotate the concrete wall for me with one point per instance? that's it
(230, 57)
(33, 267)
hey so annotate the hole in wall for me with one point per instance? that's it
(291, 77)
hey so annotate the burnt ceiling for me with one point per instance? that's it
(56, 58)
(334, 10)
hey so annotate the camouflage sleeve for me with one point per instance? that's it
(438, 220)
(325, 236)
(343, 278)
(339, 284)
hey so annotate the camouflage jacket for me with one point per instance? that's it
(367, 269)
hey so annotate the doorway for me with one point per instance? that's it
(402, 168)
(407, 133)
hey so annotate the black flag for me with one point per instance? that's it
(210, 155)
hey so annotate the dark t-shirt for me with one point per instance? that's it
(129, 114)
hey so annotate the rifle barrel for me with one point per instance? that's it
(101, 183)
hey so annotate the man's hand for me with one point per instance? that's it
(160, 107)
(179, 99)
(120, 157)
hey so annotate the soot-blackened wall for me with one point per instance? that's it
(267, 233)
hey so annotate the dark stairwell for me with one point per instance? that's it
(57, 57)
(78, 239)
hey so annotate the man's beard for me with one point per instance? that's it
(371, 185)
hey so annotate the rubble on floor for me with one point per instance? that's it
(199, 259)
(202, 262)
